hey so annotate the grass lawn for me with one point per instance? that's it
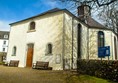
(28, 75)
(87, 79)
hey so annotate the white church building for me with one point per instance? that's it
(60, 38)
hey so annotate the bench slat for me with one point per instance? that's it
(14, 63)
(41, 65)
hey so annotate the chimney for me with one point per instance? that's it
(84, 11)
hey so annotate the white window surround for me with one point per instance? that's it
(5, 36)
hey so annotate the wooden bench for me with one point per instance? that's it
(41, 65)
(13, 63)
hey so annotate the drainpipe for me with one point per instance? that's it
(88, 43)
(72, 45)
(112, 46)
(63, 42)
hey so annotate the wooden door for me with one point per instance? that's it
(29, 55)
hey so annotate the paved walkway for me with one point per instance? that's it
(28, 75)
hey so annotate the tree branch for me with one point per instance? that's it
(107, 3)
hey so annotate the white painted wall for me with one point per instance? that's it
(69, 24)
(67, 41)
(48, 30)
(89, 47)
(93, 43)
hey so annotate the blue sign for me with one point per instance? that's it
(103, 51)
(107, 51)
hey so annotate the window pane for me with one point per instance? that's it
(5, 36)
(49, 49)
(14, 51)
(3, 49)
(4, 42)
(32, 25)
(100, 39)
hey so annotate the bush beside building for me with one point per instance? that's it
(100, 68)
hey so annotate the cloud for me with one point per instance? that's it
(47, 4)
(4, 25)
(52, 3)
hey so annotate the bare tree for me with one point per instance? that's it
(97, 2)
(106, 9)
(109, 16)
(92, 3)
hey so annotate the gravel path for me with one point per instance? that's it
(28, 75)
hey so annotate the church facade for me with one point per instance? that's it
(60, 38)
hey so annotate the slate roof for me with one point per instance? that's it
(91, 23)
(3, 33)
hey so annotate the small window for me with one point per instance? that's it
(4, 42)
(3, 49)
(100, 39)
(32, 26)
(5, 36)
(49, 49)
(14, 51)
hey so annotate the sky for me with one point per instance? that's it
(15, 10)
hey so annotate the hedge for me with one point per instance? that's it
(103, 69)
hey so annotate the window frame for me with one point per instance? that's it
(3, 49)
(101, 40)
(14, 49)
(32, 25)
(5, 36)
(4, 42)
(49, 49)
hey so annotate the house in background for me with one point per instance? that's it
(60, 38)
(4, 39)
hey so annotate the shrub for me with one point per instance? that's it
(1, 63)
(103, 69)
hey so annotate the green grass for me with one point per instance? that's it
(86, 79)
(1, 63)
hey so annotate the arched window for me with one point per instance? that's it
(100, 39)
(32, 26)
(49, 48)
(14, 51)
(79, 35)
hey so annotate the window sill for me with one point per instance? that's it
(48, 54)
(13, 55)
(31, 31)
